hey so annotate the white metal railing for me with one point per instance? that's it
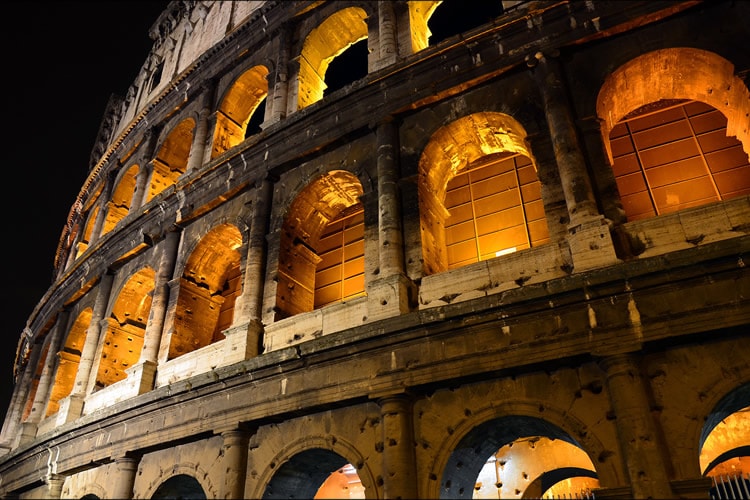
(736, 487)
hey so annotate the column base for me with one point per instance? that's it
(591, 244)
(242, 342)
(28, 433)
(70, 409)
(390, 296)
(692, 488)
(141, 377)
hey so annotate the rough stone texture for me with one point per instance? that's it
(207, 369)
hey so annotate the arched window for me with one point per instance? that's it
(315, 473)
(479, 193)
(241, 111)
(68, 360)
(126, 328)
(122, 196)
(322, 246)
(495, 208)
(209, 286)
(675, 138)
(675, 154)
(332, 37)
(172, 157)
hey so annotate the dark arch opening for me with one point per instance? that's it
(303, 474)
(551, 478)
(256, 120)
(731, 403)
(347, 67)
(471, 453)
(180, 487)
(452, 17)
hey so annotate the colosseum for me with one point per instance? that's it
(404, 249)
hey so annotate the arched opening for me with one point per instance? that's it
(451, 18)
(209, 286)
(724, 446)
(348, 67)
(126, 328)
(315, 473)
(433, 21)
(68, 360)
(34, 385)
(242, 110)
(676, 138)
(479, 193)
(91, 211)
(171, 159)
(331, 38)
(675, 154)
(517, 457)
(122, 196)
(322, 246)
(179, 487)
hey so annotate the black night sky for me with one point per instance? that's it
(61, 62)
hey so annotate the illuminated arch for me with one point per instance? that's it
(182, 480)
(172, 157)
(662, 74)
(493, 145)
(332, 37)
(126, 328)
(419, 13)
(209, 286)
(670, 133)
(244, 98)
(318, 460)
(122, 197)
(724, 446)
(487, 430)
(512, 440)
(68, 360)
(321, 258)
(91, 211)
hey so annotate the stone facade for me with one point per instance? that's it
(264, 284)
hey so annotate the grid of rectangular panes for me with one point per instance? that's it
(676, 157)
(340, 274)
(495, 208)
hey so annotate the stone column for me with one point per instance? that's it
(637, 432)
(125, 479)
(280, 95)
(55, 484)
(14, 417)
(104, 198)
(50, 366)
(388, 295)
(603, 177)
(590, 240)
(388, 34)
(399, 462)
(234, 449)
(142, 179)
(570, 161)
(160, 299)
(389, 211)
(201, 140)
(244, 338)
(143, 374)
(88, 354)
